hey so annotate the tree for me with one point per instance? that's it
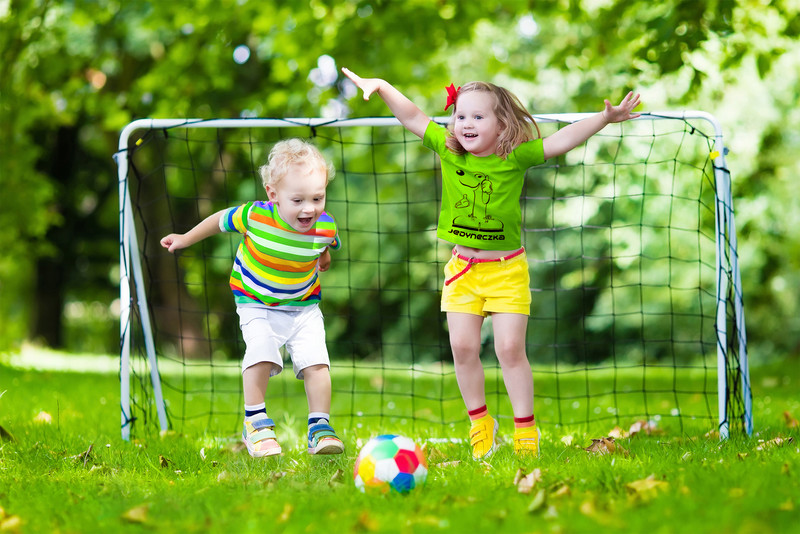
(73, 73)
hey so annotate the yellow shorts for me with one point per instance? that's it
(501, 286)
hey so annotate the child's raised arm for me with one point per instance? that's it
(205, 228)
(401, 107)
(577, 133)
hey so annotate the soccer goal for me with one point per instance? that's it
(637, 310)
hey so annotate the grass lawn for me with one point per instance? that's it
(64, 468)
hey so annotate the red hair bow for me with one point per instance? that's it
(452, 94)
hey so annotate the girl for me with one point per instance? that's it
(484, 152)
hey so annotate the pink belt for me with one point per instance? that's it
(472, 261)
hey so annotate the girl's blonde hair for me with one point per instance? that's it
(517, 125)
(291, 152)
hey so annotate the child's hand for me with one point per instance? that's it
(324, 261)
(624, 111)
(174, 242)
(367, 85)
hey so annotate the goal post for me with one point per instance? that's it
(621, 297)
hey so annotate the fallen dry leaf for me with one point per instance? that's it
(367, 523)
(12, 523)
(163, 461)
(588, 508)
(337, 477)
(137, 514)
(43, 417)
(791, 422)
(84, 456)
(286, 513)
(435, 456)
(647, 488)
(774, 442)
(617, 433)
(649, 428)
(525, 482)
(538, 501)
(606, 446)
(562, 491)
(5, 434)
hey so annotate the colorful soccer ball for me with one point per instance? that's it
(390, 461)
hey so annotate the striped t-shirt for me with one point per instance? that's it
(275, 264)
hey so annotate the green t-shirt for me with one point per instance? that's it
(481, 195)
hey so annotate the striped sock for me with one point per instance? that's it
(318, 417)
(250, 411)
(476, 414)
(524, 422)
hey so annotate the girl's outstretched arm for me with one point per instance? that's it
(205, 228)
(577, 133)
(401, 107)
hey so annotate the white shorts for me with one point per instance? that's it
(265, 330)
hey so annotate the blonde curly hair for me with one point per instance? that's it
(288, 153)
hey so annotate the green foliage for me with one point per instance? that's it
(73, 73)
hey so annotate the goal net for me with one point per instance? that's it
(637, 304)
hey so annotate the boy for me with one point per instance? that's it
(276, 287)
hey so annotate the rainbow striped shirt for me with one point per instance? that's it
(275, 264)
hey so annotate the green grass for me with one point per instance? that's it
(75, 474)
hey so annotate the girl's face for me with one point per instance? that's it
(475, 124)
(300, 196)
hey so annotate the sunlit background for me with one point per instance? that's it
(73, 74)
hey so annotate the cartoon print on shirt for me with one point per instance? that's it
(481, 189)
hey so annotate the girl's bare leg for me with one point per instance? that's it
(509, 345)
(465, 342)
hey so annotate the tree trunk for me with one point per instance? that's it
(47, 325)
(53, 271)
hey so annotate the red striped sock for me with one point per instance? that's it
(524, 422)
(478, 413)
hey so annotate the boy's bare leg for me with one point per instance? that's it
(317, 380)
(255, 380)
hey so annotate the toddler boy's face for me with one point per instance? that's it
(300, 196)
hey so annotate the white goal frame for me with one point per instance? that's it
(131, 268)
